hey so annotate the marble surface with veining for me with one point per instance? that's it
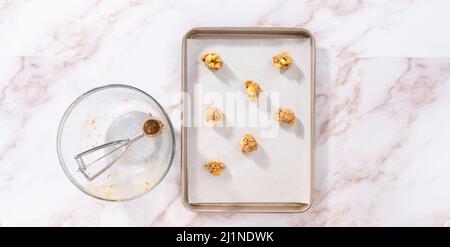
(382, 101)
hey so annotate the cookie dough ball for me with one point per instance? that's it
(286, 115)
(214, 115)
(215, 167)
(212, 60)
(152, 127)
(253, 89)
(282, 61)
(248, 144)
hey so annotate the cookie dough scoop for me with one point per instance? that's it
(112, 151)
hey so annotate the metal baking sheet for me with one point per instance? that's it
(277, 177)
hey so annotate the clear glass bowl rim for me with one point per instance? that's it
(74, 104)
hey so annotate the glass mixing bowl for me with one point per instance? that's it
(110, 113)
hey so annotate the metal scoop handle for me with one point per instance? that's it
(125, 143)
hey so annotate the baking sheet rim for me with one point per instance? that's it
(247, 207)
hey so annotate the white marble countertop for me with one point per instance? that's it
(383, 91)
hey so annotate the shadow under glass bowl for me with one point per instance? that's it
(110, 113)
